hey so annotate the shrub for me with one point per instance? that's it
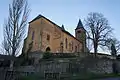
(47, 55)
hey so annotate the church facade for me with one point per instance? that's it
(44, 35)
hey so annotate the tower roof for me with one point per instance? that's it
(80, 25)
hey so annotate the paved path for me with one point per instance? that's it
(110, 79)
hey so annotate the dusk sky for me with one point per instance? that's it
(68, 12)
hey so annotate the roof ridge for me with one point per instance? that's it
(36, 18)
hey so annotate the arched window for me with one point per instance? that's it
(33, 35)
(66, 42)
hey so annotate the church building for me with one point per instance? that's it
(44, 35)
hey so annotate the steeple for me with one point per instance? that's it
(80, 25)
(80, 34)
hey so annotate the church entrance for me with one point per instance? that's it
(48, 49)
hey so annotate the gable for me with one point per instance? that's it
(40, 16)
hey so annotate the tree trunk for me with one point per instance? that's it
(95, 48)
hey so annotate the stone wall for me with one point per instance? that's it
(71, 65)
(76, 65)
(83, 64)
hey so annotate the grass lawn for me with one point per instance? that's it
(93, 76)
(87, 76)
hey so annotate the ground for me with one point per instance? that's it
(80, 77)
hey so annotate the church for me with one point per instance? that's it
(45, 35)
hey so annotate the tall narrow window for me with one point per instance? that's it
(78, 48)
(48, 37)
(61, 44)
(72, 45)
(75, 48)
(66, 42)
(33, 35)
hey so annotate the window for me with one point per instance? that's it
(48, 37)
(72, 45)
(75, 48)
(79, 31)
(33, 35)
(78, 48)
(66, 42)
(61, 44)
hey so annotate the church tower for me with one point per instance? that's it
(80, 34)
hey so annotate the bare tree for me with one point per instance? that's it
(15, 27)
(89, 43)
(98, 29)
(115, 42)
